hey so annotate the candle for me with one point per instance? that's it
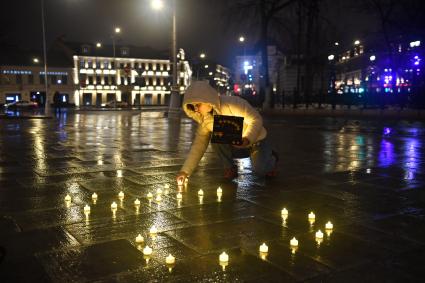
(219, 197)
(311, 216)
(139, 239)
(186, 181)
(119, 173)
(294, 242)
(264, 248)
(159, 191)
(86, 208)
(319, 235)
(167, 186)
(121, 195)
(201, 199)
(114, 205)
(158, 198)
(153, 230)
(179, 196)
(219, 190)
(179, 182)
(200, 192)
(94, 196)
(137, 202)
(284, 212)
(329, 225)
(170, 259)
(224, 257)
(150, 195)
(68, 198)
(147, 250)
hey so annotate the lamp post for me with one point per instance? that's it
(116, 31)
(175, 96)
(46, 100)
(202, 56)
(331, 59)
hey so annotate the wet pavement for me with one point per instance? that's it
(365, 176)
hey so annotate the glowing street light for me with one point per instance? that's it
(202, 55)
(35, 60)
(98, 45)
(331, 57)
(157, 4)
(372, 58)
(206, 66)
(117, 30)
(357, 42)
(241, 39)
(336, 43)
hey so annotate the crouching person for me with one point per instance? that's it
(201, 102)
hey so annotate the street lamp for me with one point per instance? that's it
(35, 60)
(206, 66)
(357, 42)
(98, 45)
(202, 55)
(43, 25)
(331, 57)
(117, 31)
(175, 97)
(241, 39)
(372, 58)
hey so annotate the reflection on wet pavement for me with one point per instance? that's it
(365, 176)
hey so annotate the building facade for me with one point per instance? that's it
(133, 80)
(27, 83)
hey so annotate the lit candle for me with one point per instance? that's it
(219, 197)
(224, 257)
(319, 235)
(137, 202)
(153, 230)
(294, 242)
(94, 196)
(159, 191)
(119, 173)
(170, 259)
(87, 209)
(158, 198)
(150, 195)
(67, 198)
(219, 190)
(179, 196)
(284, 212)
(167, 186)
(201, 199)
(311, 216)
(147, 250)
(200, 192)
(186, 181)
(179, 182)
(139, 239)
(114, 205)
(121, 195)
(329, 225)
(264, 248)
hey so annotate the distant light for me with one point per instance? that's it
(35, 60)
(372, 58)
(331, 57)
(210, 73)
(357, 42)
(336, 43)
(157, 4)
(246, 63)
(98, 45)
(117, 30)
(241, 39)
(415, 43)
(206, 66)
(202, 55)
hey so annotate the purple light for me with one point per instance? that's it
(416, 57)
(387, 131)
(416, 63)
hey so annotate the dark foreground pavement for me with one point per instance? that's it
(367, 177)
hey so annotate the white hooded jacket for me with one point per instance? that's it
(202, 92)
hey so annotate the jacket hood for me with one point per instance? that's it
(200, 92)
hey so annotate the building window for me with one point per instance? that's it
(19, 79)
(52, 79)
(98, 64)
(112, 80)
(85, 49)
(90, 63)
(124, 51)
(82, 65)
(122, 66)
(105, 64)
(106, 78)
(122, 80)
(90, 80)
(112, 65)
(98, 80)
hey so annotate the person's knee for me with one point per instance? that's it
(259, 169)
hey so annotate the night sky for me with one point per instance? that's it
(201, 26)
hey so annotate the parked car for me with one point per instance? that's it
(22, 104)
(116, 104)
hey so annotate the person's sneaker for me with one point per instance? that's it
(273, 172)
(230, 173)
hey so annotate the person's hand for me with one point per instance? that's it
(244, 144)
(181, 177)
